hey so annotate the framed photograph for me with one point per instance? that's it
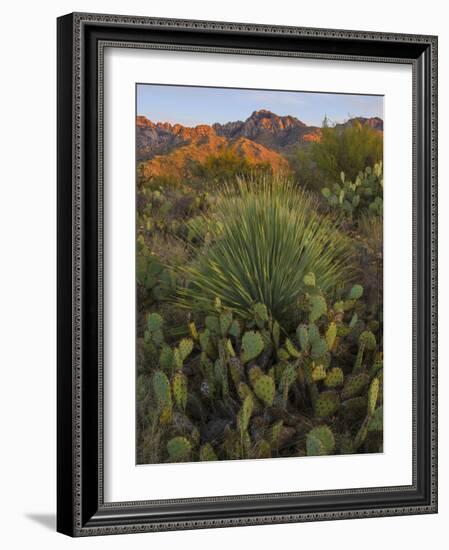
(247, 274)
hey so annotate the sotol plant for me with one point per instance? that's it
(271, 236)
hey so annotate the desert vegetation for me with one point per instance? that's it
(259, 296)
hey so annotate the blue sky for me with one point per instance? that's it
(190, 105)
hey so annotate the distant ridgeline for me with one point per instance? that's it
(263, 140)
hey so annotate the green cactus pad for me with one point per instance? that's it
(177, 359)
(319, 348)
(373, 394)
(377, 420)
(282, 354)
(275, 432)
(157, 337)
(291, 348)
(207, 453)
(265, 390)
(193, 331)
(303, 337)
(161, 387)
(313, 333)
(327, 404)
(166, 360)
(276, 331)
(309, 279)
(320, 441)
(179, 388)
(331, 335)
(318, 373)
(354, 384)
(185, 348)
(204, 339)
(334, 378)
(368, 339)
(234, 329)
(225, 322)
(260, 315)
(179, 448)
(213, 324)
(154, 322)
(244, 390)
(254, 374)
(244, 415)
(318, 307)
(356, 292)
(354, 408)
(252, 345)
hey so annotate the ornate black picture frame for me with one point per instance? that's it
(81, 510)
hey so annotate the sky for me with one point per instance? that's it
(191, 105)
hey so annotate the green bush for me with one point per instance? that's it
(348, 150)
(271, 236)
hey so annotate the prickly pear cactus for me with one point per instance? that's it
(331, 335)
(185, 348)
(334, 378)
(161, 387)
(354, 385)
(318, 307)
(318, 373)
(179, 448)
(320, 441)
(179, 387)
(376, 422)
(291, 349)
(373, 394)
(207, 453)
(252, 345)
(265, 389)
(327, 404)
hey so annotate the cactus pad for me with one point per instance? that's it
(154, 322)
(166, 360)
(252, 345)
(331, 334)
(354, 384)
(309, 279)
(207, 453)
(368, 339)
(327, 404)
(303, 337)
(334, 378)
(185, 348)
(265, 390)
(373, 394)
(225, 322)
(320, 441)
(179, 388)
(318, 373)
(161, 387)
(356, 292)
(319, 348)
(260, 315)
(291, 348)
(318, 307)
(376, 422)
(179, 448)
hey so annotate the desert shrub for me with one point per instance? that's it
(237, 389)
(226, 166)
(270, 236)
(358, 198)
(347, 150)
(305, 169)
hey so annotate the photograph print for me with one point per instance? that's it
(259, 274)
